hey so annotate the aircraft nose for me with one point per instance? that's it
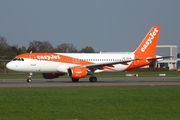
(9, 66)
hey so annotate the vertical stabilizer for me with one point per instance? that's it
(146, 50)
(148, 45)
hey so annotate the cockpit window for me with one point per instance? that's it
(14, 59)
(18, 59)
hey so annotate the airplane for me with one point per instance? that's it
(79, 65)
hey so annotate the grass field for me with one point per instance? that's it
(99, 75)
(88, 103)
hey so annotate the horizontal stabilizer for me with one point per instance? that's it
(158, 57)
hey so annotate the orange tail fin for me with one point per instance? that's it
(146, 50)
(148, 45)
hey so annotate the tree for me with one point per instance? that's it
(3, 46)
(38, 46)
(87, 50)
(33, 46)
(3, 43)
(23, 49)
(46, 46)
(67, 48)
(12, 51)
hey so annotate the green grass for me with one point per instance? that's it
(110, 103)
(99, 75)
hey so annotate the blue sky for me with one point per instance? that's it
(105, 25)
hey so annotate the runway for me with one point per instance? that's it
(66, 82)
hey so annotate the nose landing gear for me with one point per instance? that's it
(29, 79)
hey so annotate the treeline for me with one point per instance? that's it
(9, 52)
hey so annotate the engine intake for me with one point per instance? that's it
(77, 72)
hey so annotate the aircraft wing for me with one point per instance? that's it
(100, 65)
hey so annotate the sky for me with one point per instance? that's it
(105, 25)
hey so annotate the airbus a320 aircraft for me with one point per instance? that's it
(79, 65)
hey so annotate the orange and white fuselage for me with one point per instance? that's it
(79, 65)
(60, 62)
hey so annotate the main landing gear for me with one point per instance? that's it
(93, 79)
(29, 79)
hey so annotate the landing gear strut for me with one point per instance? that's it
(29, 77)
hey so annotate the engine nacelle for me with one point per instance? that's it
(77, 72)
(52, 75)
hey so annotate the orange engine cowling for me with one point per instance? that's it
(77, 72)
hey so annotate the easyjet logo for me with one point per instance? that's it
(149, 40)
(48, 57)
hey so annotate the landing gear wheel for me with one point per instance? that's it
(75, 80)
(29, 80)
(29, 77)
(93, 79)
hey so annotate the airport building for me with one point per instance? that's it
(167, 50)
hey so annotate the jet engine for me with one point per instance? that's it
(77, 72)
(52, 75)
